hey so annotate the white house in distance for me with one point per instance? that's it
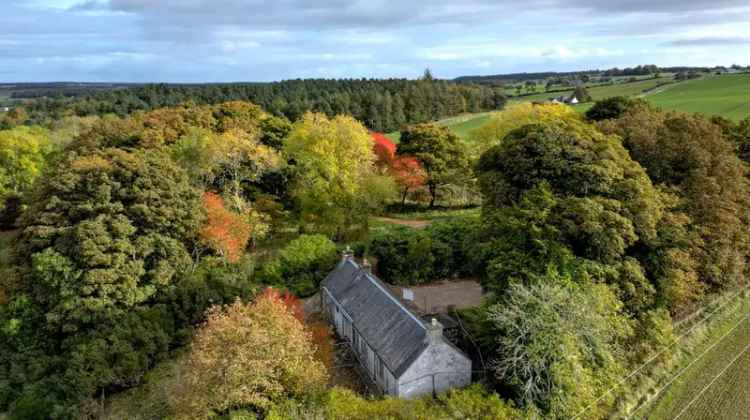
(405, 356)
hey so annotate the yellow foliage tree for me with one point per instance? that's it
(247, 356)
(517, 116)
(337, 183)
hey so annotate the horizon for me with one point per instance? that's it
(235, 82)
(223, 41)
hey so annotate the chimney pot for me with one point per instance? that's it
(366, 265)
(347, 254)
(434, 331)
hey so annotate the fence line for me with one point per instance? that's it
(669, 346)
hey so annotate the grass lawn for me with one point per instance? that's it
(726, 95)
(716, 386)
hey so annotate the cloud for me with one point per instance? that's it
(257, 40)
(710, 41)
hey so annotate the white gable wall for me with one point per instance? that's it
(440, 366)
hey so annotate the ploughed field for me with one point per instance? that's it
(716, 386)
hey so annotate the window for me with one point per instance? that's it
(379, 368)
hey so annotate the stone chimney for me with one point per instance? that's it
(347, 254)
(434, 331)
(366, 266)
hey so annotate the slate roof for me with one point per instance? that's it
(394, 333)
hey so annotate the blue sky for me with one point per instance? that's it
(254, 40)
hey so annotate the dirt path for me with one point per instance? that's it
(416, 224)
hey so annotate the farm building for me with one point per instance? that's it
(403, 355)
(571, 100)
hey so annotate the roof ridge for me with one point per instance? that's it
(390, 295)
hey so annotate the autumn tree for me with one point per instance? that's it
(337, 186)
(249, 356)
(440, 152)
(225, 232)
(225, 161)
(23, 153)
(516, 116)
(405, 170)
(694, 158)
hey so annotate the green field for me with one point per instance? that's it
(727, 96)
(601, 92)
(462, 125)
(717, 385)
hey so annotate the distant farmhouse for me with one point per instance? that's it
(5, 109)
(570, 100)
(405, 356)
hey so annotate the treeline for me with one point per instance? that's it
(382, 105)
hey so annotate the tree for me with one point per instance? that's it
(106, 235)
(337, 186)
(516, 116)
(225, 161)
(225, 232)
(608, 108)
(693, 158)
(249, 356)
(582, 94)
(604, 201)
(302, 264)
(23, 153)
(559, 347)
(440, 152)
(405, 170)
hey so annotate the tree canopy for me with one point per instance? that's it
(440, 152)
(336, 184)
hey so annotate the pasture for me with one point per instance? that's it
(600, 92)
(727, 96)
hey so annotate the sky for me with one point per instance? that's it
(265, 40)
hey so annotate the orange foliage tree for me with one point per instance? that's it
(224, 231)
(319, 330)
(405, 170)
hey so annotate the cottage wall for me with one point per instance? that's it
(439, 368)
(377, 370)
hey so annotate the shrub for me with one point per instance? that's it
(302, 264)
(443, 250)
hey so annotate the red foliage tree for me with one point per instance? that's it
(405, 170)
(385, 150)
(224, 231)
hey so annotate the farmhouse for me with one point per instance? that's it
(571, 100)
(405, 356)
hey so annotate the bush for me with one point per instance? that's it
(302, 264)
(443, 250)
